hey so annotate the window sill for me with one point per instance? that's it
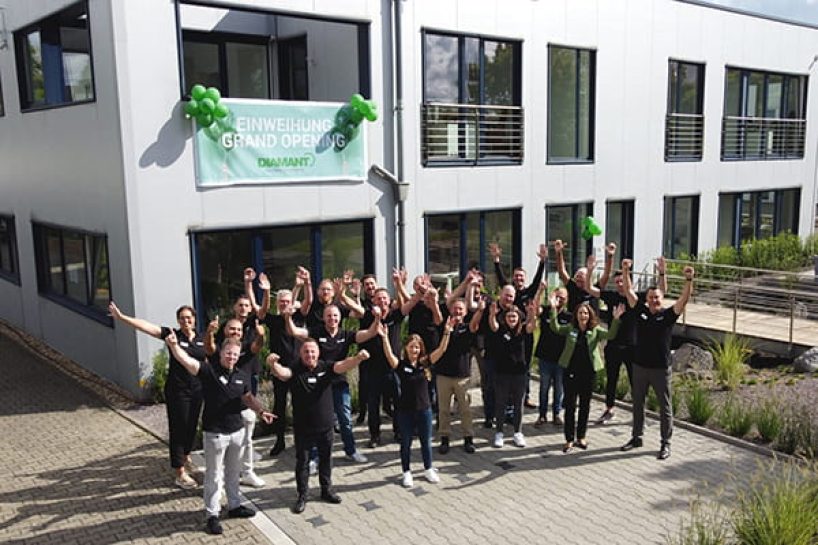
(559, 162)
(10, 277)
(471, 163)
(683, 159)
(98, 315)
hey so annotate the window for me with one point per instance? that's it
(684, 125)
(619, 228)
(72, 269)
(325, 249)
(758, 214)
(456, 243)
(681, 228)
(54, 65)
(764, 115)
(8, 250)
(292, 62)
(571, 88)
(471, 110)
(235, 64)
(564, 222)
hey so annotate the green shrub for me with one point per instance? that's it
(735, 418)
(798, 435)
(783, 252)
(623, 386)
(779, 511)
(652, 401)
(159, 375)
(699, 406)
(708, 525)
(600, 380)
(768, 420)
(730, 359)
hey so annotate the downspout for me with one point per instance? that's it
(401, 224)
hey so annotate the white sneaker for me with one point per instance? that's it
(249, 478)
(431, 475)
(498, 439)
(519, 439)
(407, 479)
(313, 467)
(185, 482)
(356, 457)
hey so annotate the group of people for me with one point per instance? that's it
(413, 377)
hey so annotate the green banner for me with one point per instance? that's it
(264, 142)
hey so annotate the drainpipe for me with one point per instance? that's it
(401, 185)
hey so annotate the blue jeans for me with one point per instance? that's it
(550, 370)
(342, 402)
(408, 423)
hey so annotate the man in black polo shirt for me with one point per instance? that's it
(226, 392)
(311, 386)
(576, 286)
(652, 363)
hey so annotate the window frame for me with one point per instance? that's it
(549, 160)
(11, 274)
(23, 80)
(44, 282)
(2, 101)
(694, 237)
(737, 207)
(576, 233)
(625, 244)
(672, 109)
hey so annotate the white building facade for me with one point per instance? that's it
(678, 127)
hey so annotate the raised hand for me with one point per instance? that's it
(260, 331)
(689, 272)
(558, 245)
(349, 276)
(542, 251)
(171, 339)
(363, 355)
(249, 274)
(213, 325)
(376, 312)
(590, 262)
(610, 249)
(627, 264)
(304, 274)
(355, 287)
(383, 331)
(338, 285)
(451, 322)
(661, 264)
(493, 309)
(495, 250)
(114, 311)
(263, 282)
(618, 311)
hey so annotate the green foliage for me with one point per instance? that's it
(783, 252)
(600, 380)
(652, 401)
(159, 375)
(798, 434)
(768, 420)
(623, 386)
(730, 358)
(699, 405)
(735, 418)
(708, 525)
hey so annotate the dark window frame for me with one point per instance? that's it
(674, 108)
(285, 69)
(625, 244)
(591, 108)
(576, 224)
(11, 271)
(694, 236)
(738, 205)
(23, 77)
(44, 282)
(2, 101)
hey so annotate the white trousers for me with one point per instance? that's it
(223, 453)
(248, 417)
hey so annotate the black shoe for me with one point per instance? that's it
(329, 496)
(361, 418)
(488, 423)
(664, 452)
(241, 512)
(300, 504)
(278, 447)
(468, 445)
(634, 442)
(214, 526)
(444, 445)
(375, 441)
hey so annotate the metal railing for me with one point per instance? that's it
(471, 134)
(684, 136)
(762, 138)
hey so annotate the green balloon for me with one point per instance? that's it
(207, 106)
(213, 94)
(204, 119)
(192, 107)
(198, 91)
(220, 111)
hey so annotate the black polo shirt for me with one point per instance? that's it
(315, 317)
(577, 296)
(627, 324)
(550, 344)
(377, 359)
(456, 361)
(178, 377)
(247, 361)
(334, 348)
(421, 322)
(414, 388)
(312, 397)
(511, 359)
(222, 391)
(653, 335)
(494, 348)
(279, 342)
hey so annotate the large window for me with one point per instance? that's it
(237, 65)
(684, 125)
(571, 84)
(564, 222)
(758, 214)
(293, 69)
(325, 249)
(681, 227)
(72, 269)
(54, 63)
(456, 243)
(764, 115)
(471, 100)
(8, 250)
(619, 228)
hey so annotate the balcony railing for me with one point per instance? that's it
(762, 138)
(684, 137)
(471, 134)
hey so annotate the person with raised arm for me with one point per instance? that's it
(226, 392)
(577, 284)
(311, 386)
(548, 352)
(183, 392)
(652, 362)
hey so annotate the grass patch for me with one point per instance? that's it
(736, 418)
(699, 405)
(768, 420)
(730, 358)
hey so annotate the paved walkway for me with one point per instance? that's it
(75, 471)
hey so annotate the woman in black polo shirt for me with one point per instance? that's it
(183, 392)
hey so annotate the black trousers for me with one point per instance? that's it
(304, 442)
(381, 388)
(183, 407)
(578, 384)
(615, 356)
(280, 390)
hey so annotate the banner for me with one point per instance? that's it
(268, 142)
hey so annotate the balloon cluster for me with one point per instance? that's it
(205, 105)
(350, 116)
(589, 228)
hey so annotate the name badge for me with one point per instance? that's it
(507, 336)
(311, 380)
(660, 318)
(183, 344)
(239, 382)
(574, 334)
(199, 343)
(223, 380)
(322, 373)
(408, 370)
(643, 316)
(322, 339)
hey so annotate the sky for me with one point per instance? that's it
(804, 11)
